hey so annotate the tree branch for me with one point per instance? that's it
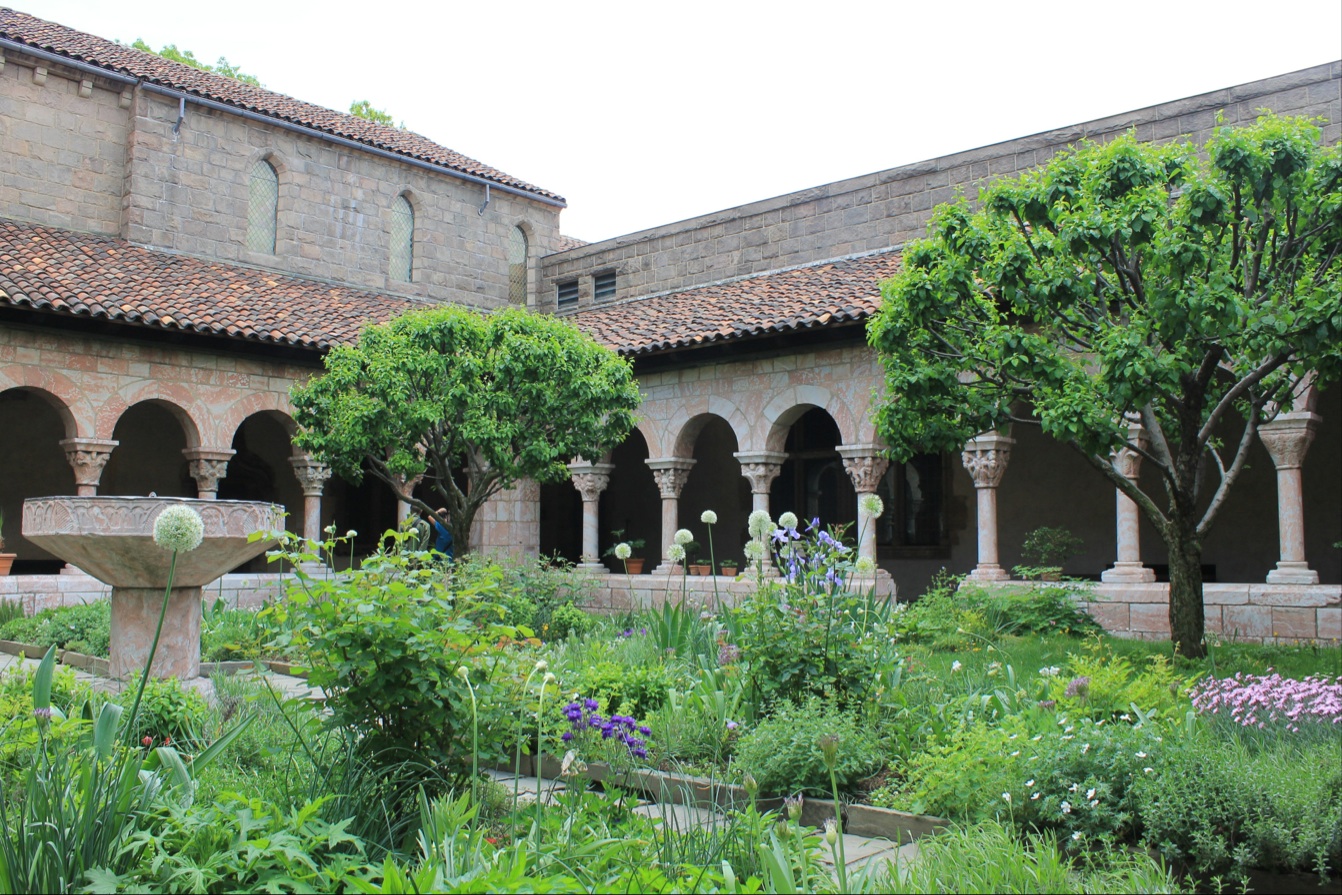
(1228, 477)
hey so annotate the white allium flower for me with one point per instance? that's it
(675, 552)
(1006, 797)
(351, 533)
(463, 672)
(683, 536)
(550, 677)
(788, 521)
(179, 528)
(956, 666)
(754, 551)
(623, 551)
(708, 517)
(542, 665)
(865, 565)
(759, 524)
(871, 505)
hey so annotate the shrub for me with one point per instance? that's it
(964, 775)
(235, 634)
(84, 628)
(638, 691)
(1099, 683)
(954, 616)
(567, 621)
(169, 711)
(783, 752)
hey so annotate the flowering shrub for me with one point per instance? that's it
(584, 720)
(783, 753)
(1253, 700)
(1100, 684)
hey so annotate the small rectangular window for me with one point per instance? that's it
(567, 292)
(603, 286)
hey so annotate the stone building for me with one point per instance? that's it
(177, 249)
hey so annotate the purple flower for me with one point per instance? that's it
(645, 730)
(732, 725)
(568, 736)
(1078, 688)
(591, 704)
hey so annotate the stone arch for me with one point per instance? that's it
(714, 483)
(687, 426)
(226, 428)
(58, 390)
(645, 428)
(789, 406)
(33, 422)
(176, 398)
(153, 435)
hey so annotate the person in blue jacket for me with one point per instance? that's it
(442, 540)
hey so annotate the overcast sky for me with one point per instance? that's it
(645, 113)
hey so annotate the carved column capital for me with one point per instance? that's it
(865, 466)
(761, 468)
(312, 475)
(985, 457)
(87, 458)
(591, 478)
(671, 474)
(1124, 459)
(1288, 437)
(207, 468)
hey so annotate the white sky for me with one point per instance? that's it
(643, 113)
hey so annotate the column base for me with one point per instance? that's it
(594, 568)
(1128, 573)
(668, 568)
(1292, 573)
(880, 579)
(989, 572)
(68, 569)
(315, 568)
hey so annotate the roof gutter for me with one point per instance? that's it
(20, 47)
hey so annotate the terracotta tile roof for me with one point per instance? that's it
(106, 54)
(564, 243)
(93, 276)
(845, 291)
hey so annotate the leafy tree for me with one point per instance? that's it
(1191, 290)
(364, 109)
(186, 57)
(472, 402)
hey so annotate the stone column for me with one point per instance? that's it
(1287, 438)
(87, 457)
(985, 457)
(671, 474)
(1128, 566)
(312, 475)
(761, 468)
(207, 468)
(405, 487)
(591, 479)
(866, 468)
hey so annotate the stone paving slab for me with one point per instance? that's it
(680, 817)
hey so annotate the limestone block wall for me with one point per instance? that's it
(63, 135)
(509, 523)
(38, 592)
(1253, 613)
(888, 208)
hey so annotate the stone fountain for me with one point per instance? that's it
(112, 538)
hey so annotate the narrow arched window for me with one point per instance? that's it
(402, 240)
(517, 267)
(263, 202)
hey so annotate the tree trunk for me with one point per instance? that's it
(1187, 620)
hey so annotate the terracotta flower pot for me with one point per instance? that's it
(6, 561)
(634, 566)
(729, 571)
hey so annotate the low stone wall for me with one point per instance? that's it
(617, 592)
(1255, 613)
(38, 592)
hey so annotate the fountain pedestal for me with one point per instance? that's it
(112, 538)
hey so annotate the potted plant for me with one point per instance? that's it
(729, 567)
(1049, 549)
(693, 561)
(633, 564)
(6, 559)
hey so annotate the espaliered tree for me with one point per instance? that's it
(1190, 289)
(471, 402)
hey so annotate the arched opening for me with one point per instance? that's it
(813, 482)
(518, 287)
(402, 262)
(32, 424)
(368, 508)
(263, 205)
(631, 503)
(149, 457)
(715, 483)
(561, 521)
(259, 470)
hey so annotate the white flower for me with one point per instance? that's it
(1015, 754)
(1085, 748)
(1033, 797)
(956, 666)
(708, 517)
(759, 524)
(1125, 717)
(463, 672)
(788, 521)
(754, 550)
(1141, 754)
(1066, 807)
(675, 552)
(1077, 835)
(865, 565)
(549, 678)
(1072, 788)
(1090, 793)
(542, 665)
(351, 533)
(1029, 783)
(1050, 671)
(1147, 770)
(623, 551)
(871, 505)
(1006, 797)
(683, 536)
(179, 528)
(1094, 803)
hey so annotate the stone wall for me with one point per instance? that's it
(38, 592)
(1245, 613)
(888, 208)
(91, 154)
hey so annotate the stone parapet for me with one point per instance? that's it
(38, 592)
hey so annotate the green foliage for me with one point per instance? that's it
(9, 609)
(186, 57)
(364, 109)
(531, 591)
(439, 392)
(951, 615)
(783, 751)
(239, 845)
(1125, 280)
(636, 691)
(230, 635)
(83, 628)
(964, 775)
(1050, 546)
(1114, 684)
(169, 710)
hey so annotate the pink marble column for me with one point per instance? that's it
(671, 474)
(1128, 566)
(866, 468)
(207, 468)
(405, 487)
(87, 458)
(985, 457)
(1287, 438)
(761, 468)
(312, 475)
(591, 479)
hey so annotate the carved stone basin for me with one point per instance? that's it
(112, 538)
